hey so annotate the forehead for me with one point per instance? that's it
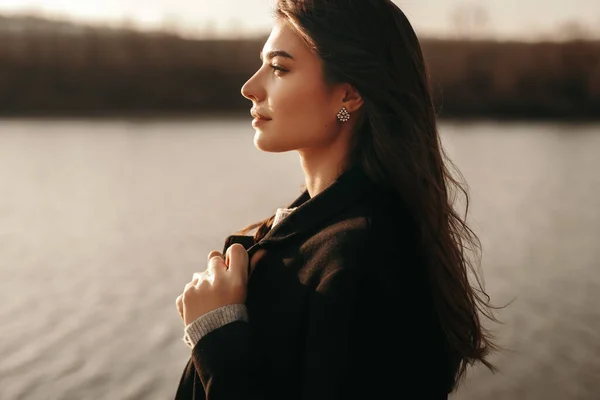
(284, 38)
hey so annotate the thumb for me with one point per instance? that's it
(236, 258)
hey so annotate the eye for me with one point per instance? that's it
(277, 70)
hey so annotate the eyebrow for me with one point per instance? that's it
(277, 53)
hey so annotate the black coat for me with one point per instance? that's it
(339, 308)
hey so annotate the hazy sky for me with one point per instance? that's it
(506, 18)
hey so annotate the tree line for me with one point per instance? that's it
(86, 71)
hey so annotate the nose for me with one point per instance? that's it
(252, 90)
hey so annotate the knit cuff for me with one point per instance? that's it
(212, 320)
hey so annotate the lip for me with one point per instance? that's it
(257, 122)
(258, 116)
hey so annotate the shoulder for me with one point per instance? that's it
(336, 246)
(377, 236)
(374, 221)
(346, 232)
(358, 233)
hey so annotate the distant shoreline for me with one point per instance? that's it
(56, 70)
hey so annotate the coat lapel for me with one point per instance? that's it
(310, 213)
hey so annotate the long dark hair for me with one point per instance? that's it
(371, 45)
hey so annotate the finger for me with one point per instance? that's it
(196, 277)
(238, 260)
(189, 285)
(179, 305)
(216, 265)
(214, 253)
(199, 277)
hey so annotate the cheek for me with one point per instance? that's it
(303, 109)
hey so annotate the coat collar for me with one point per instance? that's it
(310, 213)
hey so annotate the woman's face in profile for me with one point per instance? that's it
(289, 90)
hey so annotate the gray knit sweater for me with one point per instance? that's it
(226, 314)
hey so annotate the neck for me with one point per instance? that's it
(323, 166)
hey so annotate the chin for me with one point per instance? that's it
(270, 144)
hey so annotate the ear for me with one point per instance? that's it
(352, 100)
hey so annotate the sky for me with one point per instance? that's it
(525, 19)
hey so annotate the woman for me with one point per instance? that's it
(358, 289)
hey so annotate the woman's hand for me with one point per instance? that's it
(223, 282)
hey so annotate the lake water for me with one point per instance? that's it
(103, 222)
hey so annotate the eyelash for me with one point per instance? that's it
(277, 69)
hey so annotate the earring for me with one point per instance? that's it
(343, 115)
